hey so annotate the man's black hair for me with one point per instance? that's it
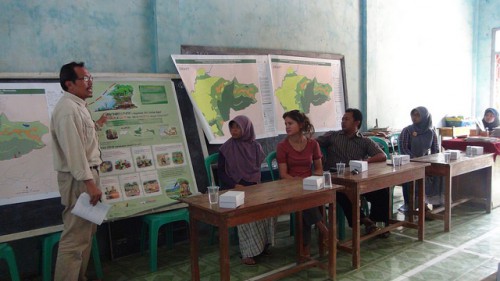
(68, 73)
(357, 115)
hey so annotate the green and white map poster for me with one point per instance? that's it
(26, 167)
(146, 162)
(222, 87)
(310, 85)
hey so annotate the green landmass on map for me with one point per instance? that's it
(216, 96)
(19, 138)
(299, 92)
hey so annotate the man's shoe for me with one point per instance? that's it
(403, 208)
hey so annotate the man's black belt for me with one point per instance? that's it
(95, 167)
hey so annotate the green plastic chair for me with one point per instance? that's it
(269, 160)
(7, 253)
(209, 161)
(383, 144)
(48, 243)
(152, 223)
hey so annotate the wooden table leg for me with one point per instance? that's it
(411, 201)
(356, 258)
(194, 244)
(447, 202)
(489, 173)
(225, 274)
(332, 246)
(421, 208)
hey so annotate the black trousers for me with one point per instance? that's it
(379, 200)
(310, 217)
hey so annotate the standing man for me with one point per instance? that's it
(76, 160)
(348, 144)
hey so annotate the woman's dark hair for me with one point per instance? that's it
(357, 115)
(68, 73)
(303, 120)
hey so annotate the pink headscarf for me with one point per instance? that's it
(243, 155)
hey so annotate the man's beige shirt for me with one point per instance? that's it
(75, 143)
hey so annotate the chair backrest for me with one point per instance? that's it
(395, 139)
(383, 144)
(269, 160)
(209, 160)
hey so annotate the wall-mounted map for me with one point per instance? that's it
(310, 85)
(26, 170)
(224, 87)
(261, 87)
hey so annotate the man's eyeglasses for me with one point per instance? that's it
(86, 78)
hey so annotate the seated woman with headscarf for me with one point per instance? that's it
(419, 139)
(490, 120)
(239, 165)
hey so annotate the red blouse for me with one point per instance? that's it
(299, 163)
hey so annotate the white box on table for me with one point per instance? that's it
(454, 154)
(313, 182)
(361, 166)
(232, 199)
(477, 150)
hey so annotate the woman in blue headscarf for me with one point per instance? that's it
(490, 119)
(417, 140)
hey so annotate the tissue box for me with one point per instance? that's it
(313, 182)
(232, 199)
(361, 166)
(454, 154)
(477, 150)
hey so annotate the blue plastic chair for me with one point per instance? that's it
(48, 243)
(7, 253)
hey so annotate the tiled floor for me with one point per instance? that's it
(471, 251)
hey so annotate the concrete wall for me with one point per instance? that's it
(419, 53)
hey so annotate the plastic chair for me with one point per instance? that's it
(209, 161)
(395, 138)
(383, 144)
(269, 160)
(7, 253)
(152, 223)
(48, 243)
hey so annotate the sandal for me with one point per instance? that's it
(371, 228)
(248, 261)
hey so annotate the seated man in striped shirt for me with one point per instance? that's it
(348, 144)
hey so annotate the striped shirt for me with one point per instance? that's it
(340, 148)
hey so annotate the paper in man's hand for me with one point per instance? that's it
(85, 210)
